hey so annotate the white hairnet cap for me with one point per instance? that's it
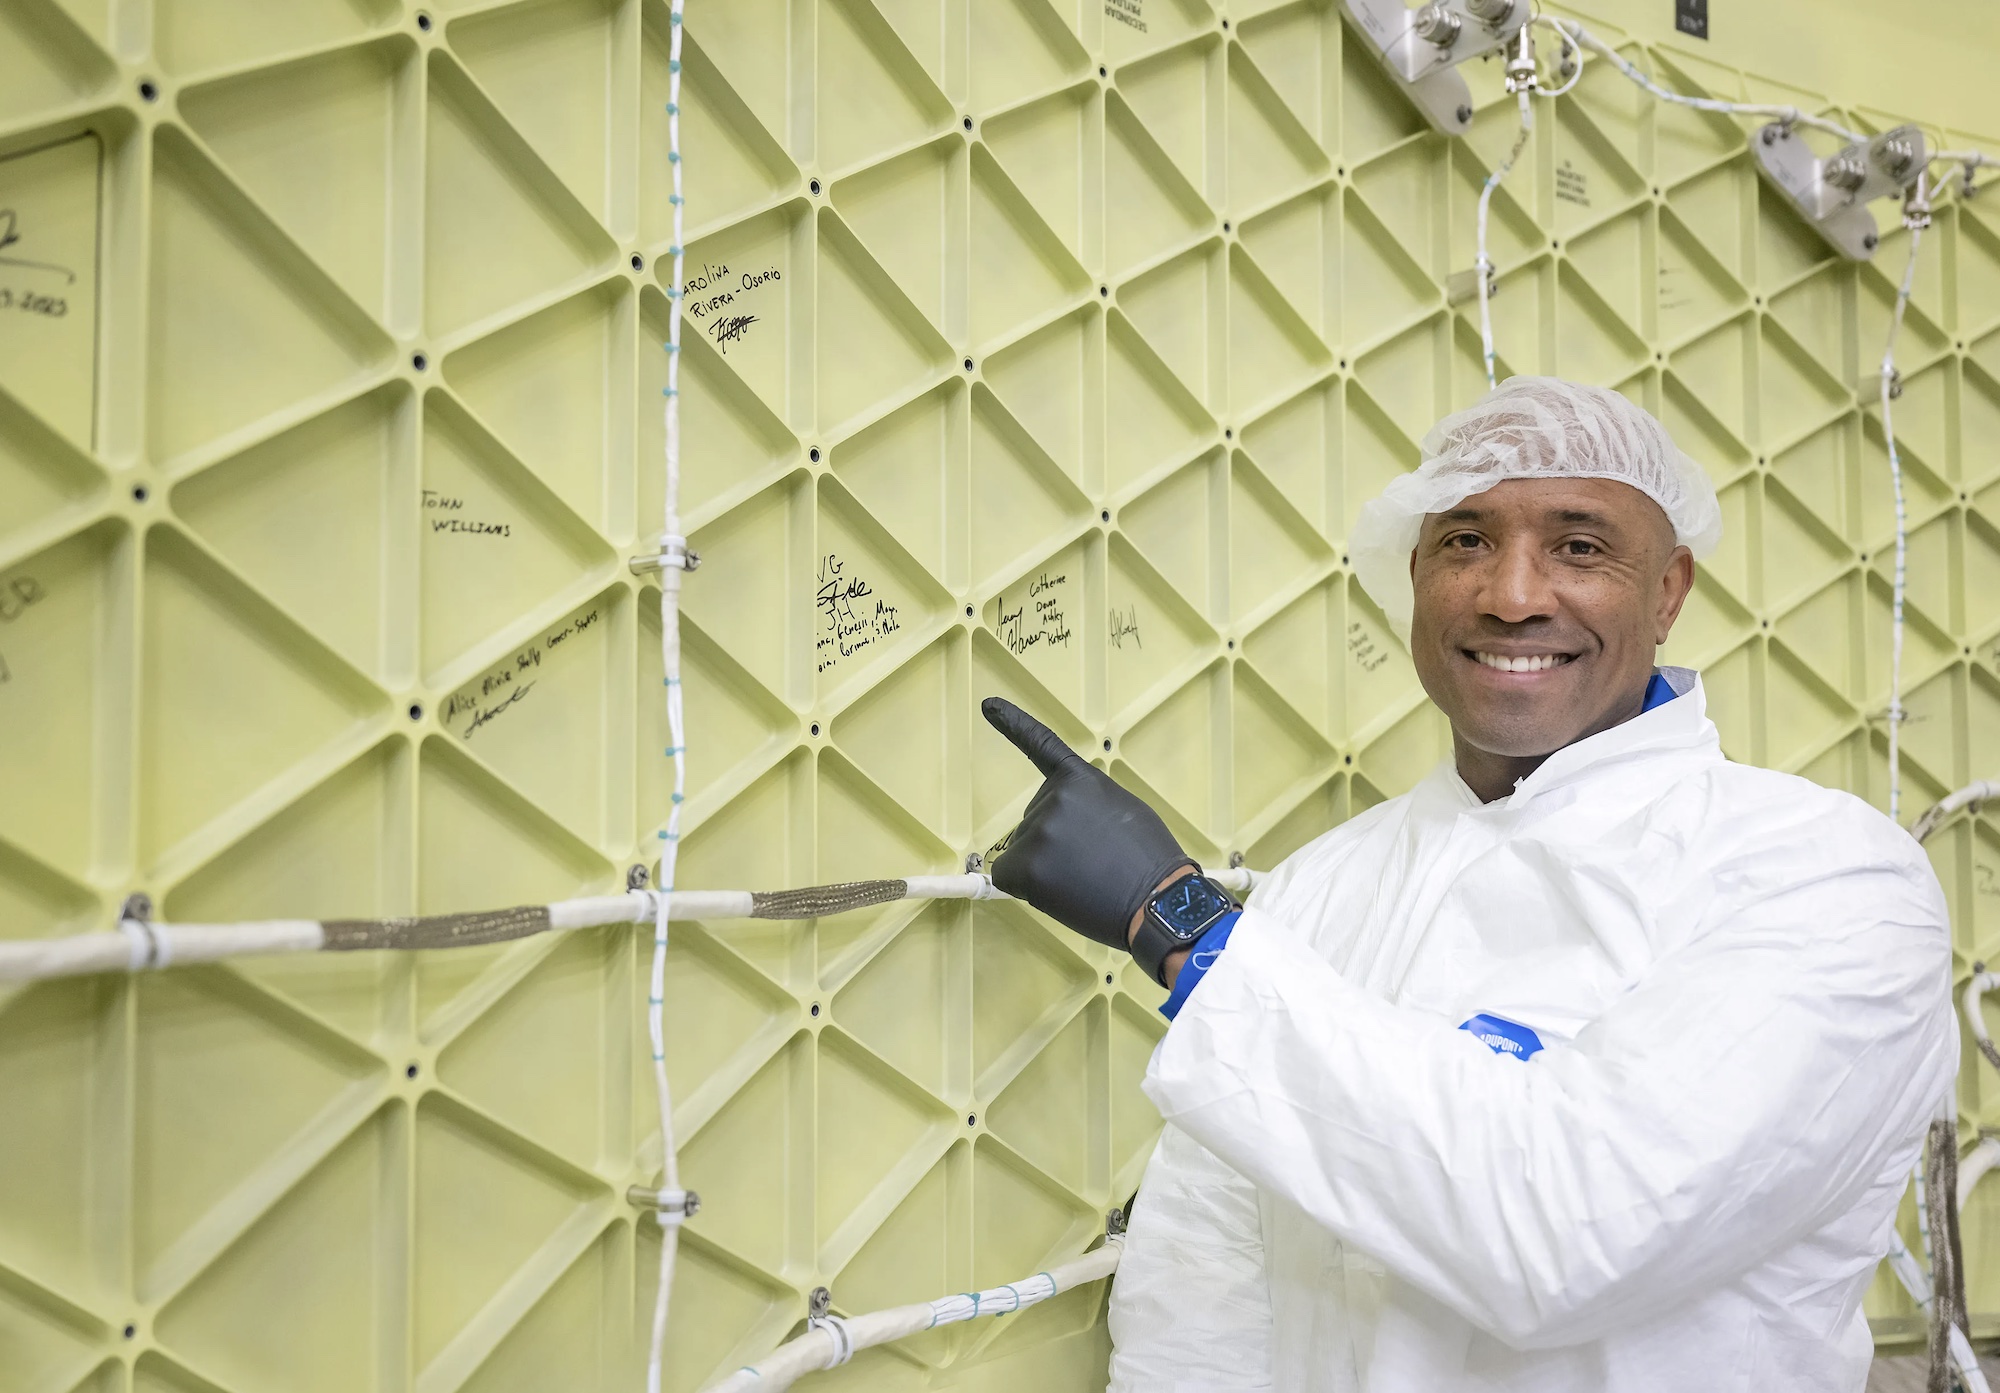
(1527, 428)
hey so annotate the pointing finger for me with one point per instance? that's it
(1028, 735)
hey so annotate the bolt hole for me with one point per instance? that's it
(638, 262)
(968, 365)
(1104, 515)
(1225, 227)
(1347, 759)
(814, 186)
(1103, 71)
(1107, 746)
(1554, 244)
(1231, 643)
(419, 361)
(409, 1071)
(972, 1119)
(149, 90)
(1340, 171)
(813, 454)
(1656, 190)
(423, 21)
(131, 1331)
(968, 123)
(968, 611)
(139, 493)
(416, 711)
(1343, 365)
(1104, 292)
(1107, 976)
(1228, 433)
(1225, 24)
(815, 727)
(815, 1008)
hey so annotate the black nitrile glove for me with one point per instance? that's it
(1087, 853)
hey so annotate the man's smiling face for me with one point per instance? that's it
(1539, 605)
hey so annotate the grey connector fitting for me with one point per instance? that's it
(1493, 12)
(1436, 24)
(1521, 63)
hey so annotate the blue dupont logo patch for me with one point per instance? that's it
(1503, 1037)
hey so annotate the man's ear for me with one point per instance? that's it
(1675, 583)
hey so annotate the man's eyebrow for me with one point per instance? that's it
(1463, 514)
(1583, 516)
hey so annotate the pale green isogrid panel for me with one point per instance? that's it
(1034, 347)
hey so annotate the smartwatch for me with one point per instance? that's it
(1174, 917)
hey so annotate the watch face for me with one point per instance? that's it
(1189, 905)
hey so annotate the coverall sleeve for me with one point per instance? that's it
(1191, 1308)
(1746, 1090)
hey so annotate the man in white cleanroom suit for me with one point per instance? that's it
(1595, 1061)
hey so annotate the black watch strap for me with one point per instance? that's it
(1155, 943)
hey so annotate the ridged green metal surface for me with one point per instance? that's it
(1040, 347)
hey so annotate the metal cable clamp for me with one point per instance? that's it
(673, 1206)
(673, 553)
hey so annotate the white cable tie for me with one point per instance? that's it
(163, 946)
(140, 937)
(843, 1341)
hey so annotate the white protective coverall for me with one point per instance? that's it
(1742, 982)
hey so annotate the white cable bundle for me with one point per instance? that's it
(1482, 267)
(833, 1340)
(673, 552)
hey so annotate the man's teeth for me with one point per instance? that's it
(1537, 662)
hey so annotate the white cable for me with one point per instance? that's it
(1975, 1020)
(1887, 384)
(829, 1340)
(1790, 115)
(1482, 266)
(1904, 1264)
(673, 548)
(137, 947)
(1979, 791)
(1983, 1158)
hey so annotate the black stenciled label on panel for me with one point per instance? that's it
(1130, 13)
(1691, 17)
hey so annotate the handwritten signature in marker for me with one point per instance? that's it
(492, 711)
(10, 233)
(731, 329)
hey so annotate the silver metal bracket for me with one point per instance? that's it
(685, 1203)
(1422, 48)
(1833, 194)
(1463, 287)
(674, 551)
